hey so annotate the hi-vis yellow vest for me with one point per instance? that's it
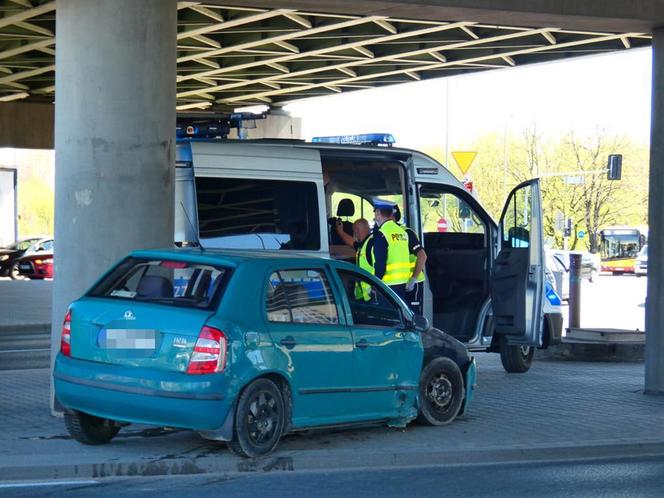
(397, 267)
(362, 289)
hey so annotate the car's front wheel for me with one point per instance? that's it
(14, 274)
(259, 419)
(441, 392)
(88, 429)
(516, 359)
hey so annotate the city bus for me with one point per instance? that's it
(619, 248)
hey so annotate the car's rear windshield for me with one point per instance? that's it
(176, 283)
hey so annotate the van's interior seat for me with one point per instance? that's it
(345, 209)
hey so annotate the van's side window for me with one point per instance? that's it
(516, 221)
(300, 296)
(244, 213)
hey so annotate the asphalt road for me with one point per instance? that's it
(642, 477)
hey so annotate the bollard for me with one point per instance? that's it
(574, 291)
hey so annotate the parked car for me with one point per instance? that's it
(37, 262)
(245, 348)
(641, 265)
(559, 273)
(10, 255)
(590, 263)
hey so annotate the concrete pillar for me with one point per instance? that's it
(114, 138)
(655, 298)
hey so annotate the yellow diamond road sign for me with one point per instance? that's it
(464, 160)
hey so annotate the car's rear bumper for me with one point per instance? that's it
(139, 395)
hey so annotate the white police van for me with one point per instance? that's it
(485, 281)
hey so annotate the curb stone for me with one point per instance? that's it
(325, 460)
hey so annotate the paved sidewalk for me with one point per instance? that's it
(556, 411)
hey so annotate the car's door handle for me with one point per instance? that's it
(289, 342)
(362, 344)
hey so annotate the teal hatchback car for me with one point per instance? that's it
(247, 347)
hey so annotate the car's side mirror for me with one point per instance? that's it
(420, 323)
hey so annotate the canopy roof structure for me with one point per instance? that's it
(229, 56)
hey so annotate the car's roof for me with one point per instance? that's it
(232, 257)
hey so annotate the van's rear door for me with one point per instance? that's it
(517, 289)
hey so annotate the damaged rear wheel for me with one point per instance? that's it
(88, 429)
(441, 392)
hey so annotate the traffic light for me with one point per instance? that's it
(615, 167)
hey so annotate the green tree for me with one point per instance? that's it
(35, 207)
(504, 161)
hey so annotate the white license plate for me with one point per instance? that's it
(128, 339)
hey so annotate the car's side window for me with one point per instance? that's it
(369, 304)
(300, 296)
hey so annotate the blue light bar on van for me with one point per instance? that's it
(363, 139)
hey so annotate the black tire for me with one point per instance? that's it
(516, 359)
(260, 418)
(88, 429)
(441, 392)
(14, 273)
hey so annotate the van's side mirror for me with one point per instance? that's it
(420, 323)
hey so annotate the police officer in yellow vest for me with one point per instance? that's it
(362, 242)
(391, 253)
(418, 259)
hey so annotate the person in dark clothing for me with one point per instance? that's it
(362, 242)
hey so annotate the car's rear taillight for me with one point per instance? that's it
(65, 338)
(209, 355)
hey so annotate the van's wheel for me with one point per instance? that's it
(441, 392)
(259, 419)
(516, 359)
(88, 429)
